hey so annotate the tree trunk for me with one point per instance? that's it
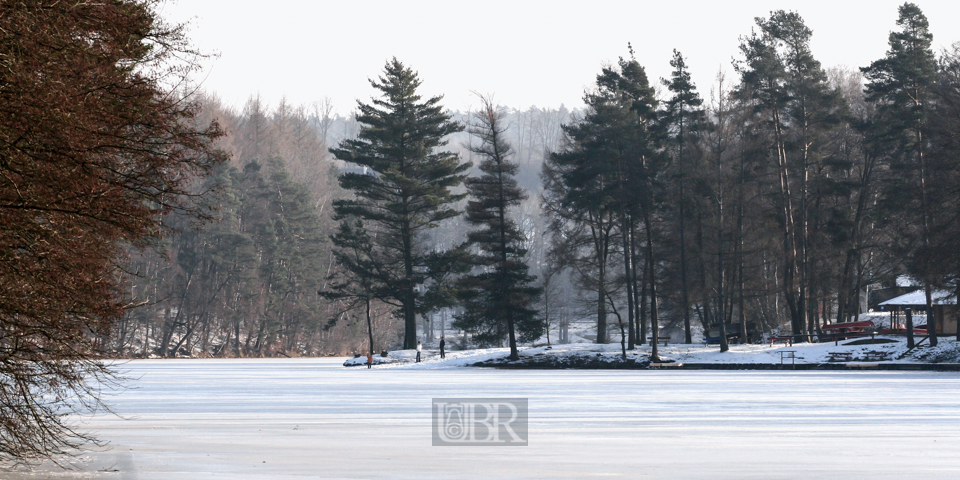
(931, 316)
(910, 340)
(790, 288)
(721, 317)
(638, 289)
(654, 313)
(740, 248)
(511, 329)
(409, 311)
(684, 289)
(705, 317)
(643, 302)
(956, 296)
(601, 306)
(369, 332)
(628, 274)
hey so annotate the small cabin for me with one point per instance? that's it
(944, 310)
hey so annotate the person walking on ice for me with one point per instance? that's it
(419, 349)
(442, 343)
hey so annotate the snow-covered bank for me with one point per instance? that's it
(584, 355)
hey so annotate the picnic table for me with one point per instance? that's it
(875, 356)
(869, 356)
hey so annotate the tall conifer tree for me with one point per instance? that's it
(606, 181)
(401, 140)
(683, 117)
(900, 84)
(498, 297)
(794, 107)
(946, 151)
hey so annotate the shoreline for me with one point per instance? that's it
(852, 366)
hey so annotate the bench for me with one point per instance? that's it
(841, 356)
(732, 338)
(662, 340)
(786, 340)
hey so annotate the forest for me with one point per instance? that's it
(765, 202)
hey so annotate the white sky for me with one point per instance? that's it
(523, 52)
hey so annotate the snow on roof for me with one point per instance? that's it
(939, 297)
(906, 281)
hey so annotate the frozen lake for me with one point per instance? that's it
(312, 418)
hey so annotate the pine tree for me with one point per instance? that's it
(498, 296)
(794, 108)
(606, 182)
(628, 106)
(946, 150)
(900, 85)
(683, 117)
(357, 282)
(401, 141)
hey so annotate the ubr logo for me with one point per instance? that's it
(480, 421)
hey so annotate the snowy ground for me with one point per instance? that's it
(948, 351)
(313, 418)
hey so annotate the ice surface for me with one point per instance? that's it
(313, 418)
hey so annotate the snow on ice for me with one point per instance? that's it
(313, 418)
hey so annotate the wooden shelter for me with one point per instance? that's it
(944, 310)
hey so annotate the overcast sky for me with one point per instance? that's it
(542, 53)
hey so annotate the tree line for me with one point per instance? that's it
(781, 197)
(767, 206)
(770, 205)
(245, 283)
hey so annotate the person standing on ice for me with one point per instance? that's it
(419, 349)
(442, 343)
